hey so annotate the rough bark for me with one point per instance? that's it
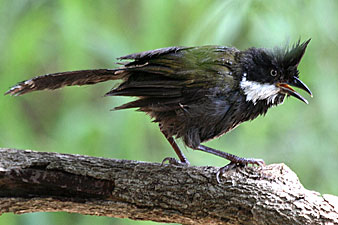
(44, 182)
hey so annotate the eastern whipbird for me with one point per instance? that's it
(195, 93)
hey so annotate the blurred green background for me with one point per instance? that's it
(41, 36)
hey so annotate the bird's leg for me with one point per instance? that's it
(234, 160)
(181, 156)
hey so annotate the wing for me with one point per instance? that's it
(165, 79)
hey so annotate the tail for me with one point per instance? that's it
(58, 80)
(83, 77)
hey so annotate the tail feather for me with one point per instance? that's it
(58, 80)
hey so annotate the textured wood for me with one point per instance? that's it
(44, 182)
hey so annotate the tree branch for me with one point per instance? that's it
(44, 182)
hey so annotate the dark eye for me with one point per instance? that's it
(273, 73)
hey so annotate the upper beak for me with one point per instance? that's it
(285, 88)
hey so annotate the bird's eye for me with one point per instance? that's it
(273, 72)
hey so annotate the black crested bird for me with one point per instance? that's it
(195, 93)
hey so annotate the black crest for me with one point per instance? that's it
(290, 56)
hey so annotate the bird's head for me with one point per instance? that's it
(269, 74)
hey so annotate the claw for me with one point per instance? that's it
(173, 161)
(241, 162)
(223, 169)
(258, 162)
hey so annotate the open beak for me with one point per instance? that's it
(286, 89)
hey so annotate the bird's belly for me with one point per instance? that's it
(204, 122)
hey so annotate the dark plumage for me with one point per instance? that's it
(195, 93)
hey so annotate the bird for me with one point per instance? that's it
(195, 93)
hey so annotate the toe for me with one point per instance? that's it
(173, 161)
(258, 162)
(224, 169)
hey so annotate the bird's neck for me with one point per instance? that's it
(260, 92)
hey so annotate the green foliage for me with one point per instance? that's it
(40, 36)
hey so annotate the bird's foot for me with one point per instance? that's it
(173, 161)
(239, 162)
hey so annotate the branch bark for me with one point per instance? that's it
(44, 182)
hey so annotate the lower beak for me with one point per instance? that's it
(286, 89)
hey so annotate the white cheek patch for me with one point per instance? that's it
(255, 91)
